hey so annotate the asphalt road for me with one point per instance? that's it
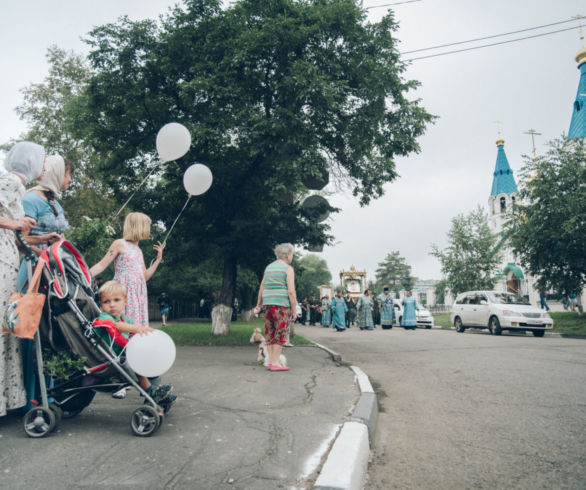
(471, 410)
(234, 426)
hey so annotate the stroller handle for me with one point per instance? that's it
(30, 255)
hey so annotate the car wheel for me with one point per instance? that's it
(538, 333)
(458, 324)
(494, 326)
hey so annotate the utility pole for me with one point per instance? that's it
(532, 132)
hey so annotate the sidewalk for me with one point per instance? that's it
(235, 425)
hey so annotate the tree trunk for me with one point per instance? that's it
(222, 312)
(221, 316)
(246, 315)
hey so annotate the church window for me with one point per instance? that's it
(513, 200)
(503, 204)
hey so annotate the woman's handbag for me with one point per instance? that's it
(23, 313)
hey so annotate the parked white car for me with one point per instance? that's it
(498, 311)
(424, 317)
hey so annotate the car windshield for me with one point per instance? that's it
(508, 299)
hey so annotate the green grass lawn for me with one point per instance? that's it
(563, 322)
(442, 319)
(240, 332)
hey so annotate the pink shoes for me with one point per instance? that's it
(272, 367)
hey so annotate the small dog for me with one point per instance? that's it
(263, 353)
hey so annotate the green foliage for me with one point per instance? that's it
(61, 366)
(270, 91)
(311, 272)
(440, 292)
(547, 230)
(395, 273)
(470, 261)
(92, 237)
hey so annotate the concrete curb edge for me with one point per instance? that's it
(347, 462)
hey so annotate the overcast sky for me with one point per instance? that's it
(526, 84)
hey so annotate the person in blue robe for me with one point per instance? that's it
(338, 308)
(364, 307)
(409, 312)
(325, 312)
(387, 313)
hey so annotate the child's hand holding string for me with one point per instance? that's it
(159, 247)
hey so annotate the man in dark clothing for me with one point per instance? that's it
(313, 305)
(351, 315)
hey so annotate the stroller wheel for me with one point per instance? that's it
(144, 421)
(39, 421)
(56, 409)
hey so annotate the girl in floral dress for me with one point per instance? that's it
(129, 267)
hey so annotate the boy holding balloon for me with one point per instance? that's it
(115, 329)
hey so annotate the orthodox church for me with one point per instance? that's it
(504, 192)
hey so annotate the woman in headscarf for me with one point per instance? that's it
(40, 203)
(23, 164)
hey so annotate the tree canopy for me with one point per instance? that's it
(471, 259)
(395, 273)
(311, 272)
(549, 221)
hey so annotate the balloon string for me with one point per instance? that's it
(135, 191)
(177, 218)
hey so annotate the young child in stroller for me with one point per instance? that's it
(115, 329)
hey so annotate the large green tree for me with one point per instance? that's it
(548, 227)
(311, 272)
(272, 92)
(395, 272)
(471, 259)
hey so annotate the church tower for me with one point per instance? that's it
(504, 190)
(578, 123)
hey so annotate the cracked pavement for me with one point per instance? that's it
(235, 425)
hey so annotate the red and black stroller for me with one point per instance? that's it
(66, 328)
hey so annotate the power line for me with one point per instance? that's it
(491, 44)
(489, 37)
(391, 4)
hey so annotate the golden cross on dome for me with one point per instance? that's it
(498, 127)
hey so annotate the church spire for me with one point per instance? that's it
(503, 180)
(578, 123)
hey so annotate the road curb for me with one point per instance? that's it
(346, 464)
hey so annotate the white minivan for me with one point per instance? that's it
(498, 311)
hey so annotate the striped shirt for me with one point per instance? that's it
(275, 291)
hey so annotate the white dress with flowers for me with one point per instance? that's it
(12, 392)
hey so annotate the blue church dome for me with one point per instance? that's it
(578, 122)
(503, 180)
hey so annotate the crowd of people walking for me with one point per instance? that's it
(366, 312)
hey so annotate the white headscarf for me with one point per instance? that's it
(26, 160)
(52, 179)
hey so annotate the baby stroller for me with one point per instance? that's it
(66, 327)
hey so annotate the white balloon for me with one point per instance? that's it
(173, 141)
(151, 354)
(197, 179)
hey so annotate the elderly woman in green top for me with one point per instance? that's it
(277, 295)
